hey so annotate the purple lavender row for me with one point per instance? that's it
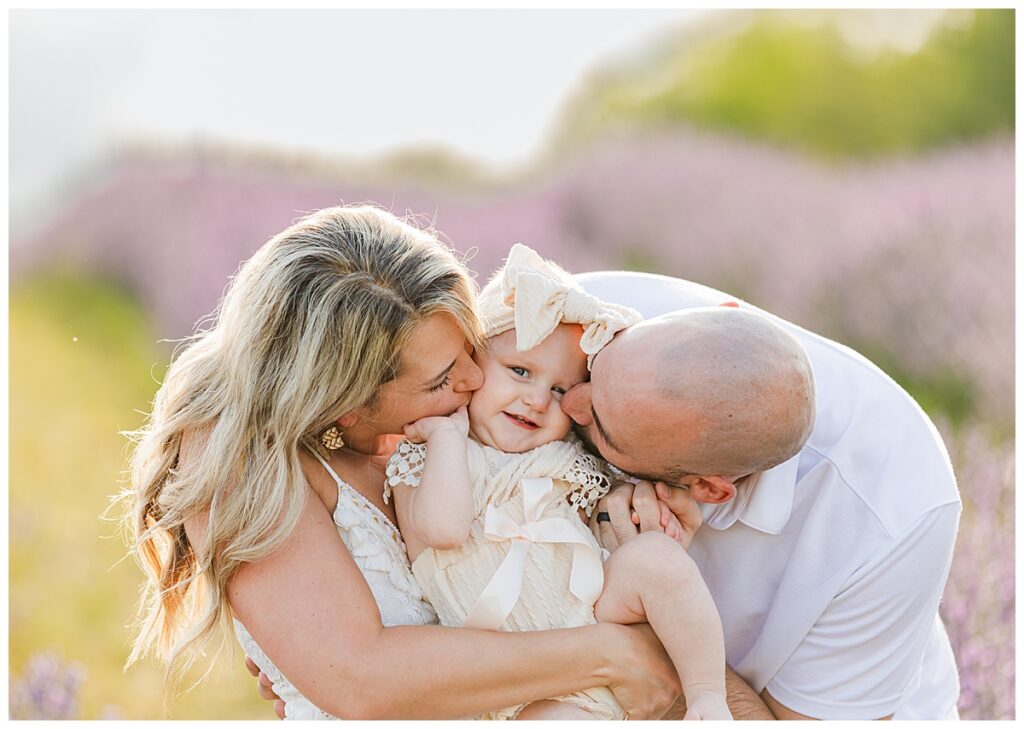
(909, 260)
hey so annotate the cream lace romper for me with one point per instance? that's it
(453, 579)
(379, 552)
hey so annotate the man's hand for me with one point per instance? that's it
(617, 528)
(422, 429)
(644, 506)
(265, 688)
(744, 704)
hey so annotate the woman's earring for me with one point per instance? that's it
(332, 438)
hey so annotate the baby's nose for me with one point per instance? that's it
(538, 398)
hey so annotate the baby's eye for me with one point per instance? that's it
(559, 391)
(521, 371)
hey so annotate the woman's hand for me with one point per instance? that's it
(421, 430)
(645, 683)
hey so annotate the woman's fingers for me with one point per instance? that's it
(251, 667)
(649, 683)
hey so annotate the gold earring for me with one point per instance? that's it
(332, 438)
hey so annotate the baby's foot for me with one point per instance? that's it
(707, 706)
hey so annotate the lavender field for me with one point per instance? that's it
(909, 260)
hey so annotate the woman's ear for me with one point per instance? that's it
(347, 420)
(712, 489)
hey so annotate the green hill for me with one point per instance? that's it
(805, 86)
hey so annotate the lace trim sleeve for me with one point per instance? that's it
(589, 480)
(405, 467)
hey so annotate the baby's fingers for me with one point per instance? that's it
(461, 419)
(412, 432)
(672, 526)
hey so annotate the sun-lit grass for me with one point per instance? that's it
(83, 363)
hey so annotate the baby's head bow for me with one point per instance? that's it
(535, 296)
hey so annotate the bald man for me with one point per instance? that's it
(829, 505)
(828, 502)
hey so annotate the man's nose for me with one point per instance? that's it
(576, 403)
(470, 376)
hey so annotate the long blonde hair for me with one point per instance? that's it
(310, 328)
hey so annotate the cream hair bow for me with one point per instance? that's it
(535, 296)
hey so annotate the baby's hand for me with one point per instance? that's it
(669, 524)
(424, 428)
(672, 527)
(706, 706)
(684, 509)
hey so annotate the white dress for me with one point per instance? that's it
(379, 552)
(455, 581)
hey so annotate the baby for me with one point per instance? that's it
(494, 522)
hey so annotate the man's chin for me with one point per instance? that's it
(580, 432)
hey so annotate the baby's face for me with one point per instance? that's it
(518, 406)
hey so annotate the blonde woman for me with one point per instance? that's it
(257, 490)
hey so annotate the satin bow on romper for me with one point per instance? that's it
(529, 562)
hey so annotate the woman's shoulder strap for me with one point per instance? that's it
(323, 461)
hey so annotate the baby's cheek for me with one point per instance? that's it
(560, 423)
(473, 411)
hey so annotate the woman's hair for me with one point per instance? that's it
(310, 328)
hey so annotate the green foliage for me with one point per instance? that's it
(83, 365)
(806, 87)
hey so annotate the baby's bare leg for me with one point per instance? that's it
(652, 578)
(556, 710)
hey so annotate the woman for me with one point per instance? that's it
(337, 332)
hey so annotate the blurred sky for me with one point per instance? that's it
(487, 83)
(348, 82)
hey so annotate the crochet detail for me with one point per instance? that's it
(589, 480)
(405, 467)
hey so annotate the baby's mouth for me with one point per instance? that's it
(524, 423)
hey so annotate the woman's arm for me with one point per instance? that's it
(309, 608)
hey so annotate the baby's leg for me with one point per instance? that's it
(652, 578)
(556, 710)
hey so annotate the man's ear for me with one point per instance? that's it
(712, 489)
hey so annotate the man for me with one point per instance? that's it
(826, 548)
(829, 505)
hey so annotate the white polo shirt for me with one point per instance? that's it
(827, 569)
